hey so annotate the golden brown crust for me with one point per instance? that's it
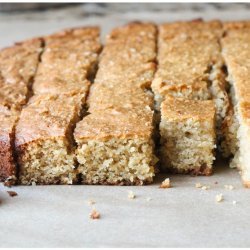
(187, 53)
(118, 104)
(129, 51)
(103, 97)
(47, 116)
(18, 66)
(69, 58)
(196, 29)
(236, 51)
(236, 25)
(115, 123)
(182, 109)
(139, 76)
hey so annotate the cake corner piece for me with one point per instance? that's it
(187, 131)
(118, 150)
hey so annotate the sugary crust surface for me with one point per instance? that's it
(236, 50)
(183, 109)
(47, 116)
(130, 54)
(186, 53)
(18, 66)
(139, 76)
(197, 90)
(124, 44)
(132, 31)
(195, 28)
(69, 58)
(115, 123)
(236, 25)
(103, 97)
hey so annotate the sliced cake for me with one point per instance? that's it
(116, 147)
(236, 52)
(187, 132)
(18, 66)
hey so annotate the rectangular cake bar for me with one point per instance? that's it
(190, 64)
(44, 141)
(190, 70)
(115, 147)
(115, 144)
(68, 62)
(236, 52)
(18, 66)
(187, 132)
(44, 133)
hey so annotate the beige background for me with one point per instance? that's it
(183, 216)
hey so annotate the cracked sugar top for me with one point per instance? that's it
(18, 66)
(236, 51)
(68, 60)
(47, 116)
(187, 52)
(116, 124)
(183, 109)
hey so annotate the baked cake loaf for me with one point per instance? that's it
(200, 98)
(18, 66)
(236, 52)
(187, 131)
(46, 150)
(115, 144)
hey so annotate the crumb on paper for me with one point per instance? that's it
(216, 182)
(165, 183)
(203, 187)
(91, 202)
(149, 198)
(12, 193)
(8, 184)
(229, 187)
(94, 215)
(198, 185)
(131, 195)
(234, 202)
(219, 198)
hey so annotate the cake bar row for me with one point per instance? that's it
(236, 52)
(44, 133)
(115, 141)
(59, 128)
(190, 93)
